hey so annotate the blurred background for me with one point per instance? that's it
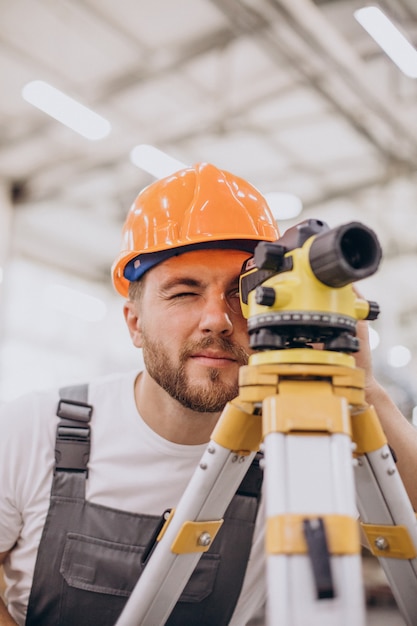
(297, 96)
(294, 95)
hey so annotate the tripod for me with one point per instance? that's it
(307, 408)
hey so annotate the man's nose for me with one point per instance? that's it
(216, 315)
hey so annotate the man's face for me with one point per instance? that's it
(191, 329)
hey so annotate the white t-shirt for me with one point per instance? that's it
(131, 468)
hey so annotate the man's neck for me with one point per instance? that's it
(167, 417)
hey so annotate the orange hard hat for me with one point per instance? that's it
(196, 207)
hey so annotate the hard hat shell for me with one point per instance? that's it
(195, 206)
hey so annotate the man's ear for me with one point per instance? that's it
(133, 322)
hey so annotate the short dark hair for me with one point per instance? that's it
(136, 289)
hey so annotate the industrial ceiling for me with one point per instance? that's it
(291, 94)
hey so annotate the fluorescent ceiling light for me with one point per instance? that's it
(389, 38)
(66, 110)
(284, 206)
(154, 161)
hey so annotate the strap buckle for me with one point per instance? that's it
(72, 448)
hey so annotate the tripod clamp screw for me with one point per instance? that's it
(381, 543)
(204, 539)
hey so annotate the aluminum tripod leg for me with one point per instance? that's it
(197, 518)
(389, 521)
(309, 481)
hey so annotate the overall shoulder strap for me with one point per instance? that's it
(251, 484)
(72, 447)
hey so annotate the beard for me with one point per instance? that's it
(208, 397)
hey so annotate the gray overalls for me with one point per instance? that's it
(90, 556)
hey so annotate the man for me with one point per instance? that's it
(185, 240)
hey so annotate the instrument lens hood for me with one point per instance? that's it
(345, 254)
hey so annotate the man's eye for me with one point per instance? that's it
(233, 300)
(233, 295)
(183, 294)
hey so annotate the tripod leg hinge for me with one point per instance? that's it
(285, 534)
(237, 429)
(195, 536)
(367, 431)
(389, 541)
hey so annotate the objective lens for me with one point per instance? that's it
(345, 254)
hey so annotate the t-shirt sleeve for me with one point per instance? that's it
(25, 462)
(10, 518)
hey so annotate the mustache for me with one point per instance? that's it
(224, 344)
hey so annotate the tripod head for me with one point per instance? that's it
(298, 290)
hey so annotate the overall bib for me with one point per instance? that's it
(91, 556)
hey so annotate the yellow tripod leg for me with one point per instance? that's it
(388, 519)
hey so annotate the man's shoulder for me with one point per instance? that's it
(113, 380)
(112, 395)
(39, 407)
(28, 418)
(117, 385)
(29, 403)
